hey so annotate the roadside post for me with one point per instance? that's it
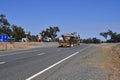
(26, 33)
(4, 39)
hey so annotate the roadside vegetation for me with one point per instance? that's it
(91, 40)
(50, 32)
(110, 36)
(114, 37)
(111, 63)
(18, 32)
(13, 30)
(108, 59)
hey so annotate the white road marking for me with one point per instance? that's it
(39, 73)
(16, 53)
(41, 54)
(51, 66)
(2, 63)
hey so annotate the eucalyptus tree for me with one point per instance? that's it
(50, 32)
(4, 25)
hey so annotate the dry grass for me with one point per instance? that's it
(108, 58)
(112, 62)
(16, 46)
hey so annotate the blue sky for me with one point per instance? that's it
(86, 17)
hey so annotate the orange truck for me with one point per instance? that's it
(68, 40)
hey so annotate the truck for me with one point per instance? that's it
(69, 40)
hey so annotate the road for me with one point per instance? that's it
(49, 64)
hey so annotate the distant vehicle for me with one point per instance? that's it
(24, 40)
(68, 40)
(11, 40)
(47, 39)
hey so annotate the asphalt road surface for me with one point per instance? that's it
(49, 64)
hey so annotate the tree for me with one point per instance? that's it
(114, 36)
(5, 30)
(18, 32)
(4, 25)
(110, 33)
(91, 40)
(4, 21)
(50, 32)
(104, 34)
(95, 40)
(34, 38)
(118, 37)
(15, 31)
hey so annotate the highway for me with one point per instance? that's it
(46, 64)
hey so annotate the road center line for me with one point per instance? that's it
(17, 53)
(2, 63)
(41, 54)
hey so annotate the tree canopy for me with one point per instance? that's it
(50, 32)
(4, 21)
(91, 40)
(114, 36)
(4, 25)
(12, 30)
(18, 32)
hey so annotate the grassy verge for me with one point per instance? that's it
(108, 59)
(111, 63)
(17, 45)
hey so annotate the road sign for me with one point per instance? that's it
(3, 38)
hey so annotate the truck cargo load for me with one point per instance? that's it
(68, 40)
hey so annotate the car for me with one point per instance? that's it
(47, 39)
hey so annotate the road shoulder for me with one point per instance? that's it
(76, 68)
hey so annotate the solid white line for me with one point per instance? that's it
(51, 66)
(2, 63)
(16, 53)
(39, 73)
(41, 54)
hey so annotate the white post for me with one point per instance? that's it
(26, 37)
